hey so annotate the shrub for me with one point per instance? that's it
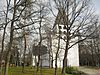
(71, 70)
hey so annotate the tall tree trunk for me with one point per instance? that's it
(57, 54)
(3, 38)
(24, 52)
(25, 41)
(10, 42)
(65, 59)
(67, 42)
(92, 55)
(39, 54)
(50, 50)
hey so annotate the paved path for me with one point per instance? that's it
(90, 71)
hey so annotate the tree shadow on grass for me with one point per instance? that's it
(79, 73)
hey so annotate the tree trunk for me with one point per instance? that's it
(52, 62)
(40, 24)
(57, 54)
(10, 42)
(24, 52)
(3, 38)
(2, 49)
(65, 59)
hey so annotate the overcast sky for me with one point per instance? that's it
(95, 2)
(97, 6)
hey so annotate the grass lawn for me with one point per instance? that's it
(31, 71)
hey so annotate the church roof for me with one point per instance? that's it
(61, 18)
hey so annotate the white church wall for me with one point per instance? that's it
(35, 59)
(73, 54)
(45, 60)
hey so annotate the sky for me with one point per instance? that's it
(97, 6)
(95, 2)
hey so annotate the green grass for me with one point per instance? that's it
(32, 71)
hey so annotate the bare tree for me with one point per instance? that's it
(3, 37)
(10, 42)
(90, 49)
(77, 17)
(15, 18)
